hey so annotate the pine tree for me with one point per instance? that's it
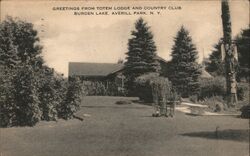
(141, 53)
(215, 66)
(243, 43)
(185, 71)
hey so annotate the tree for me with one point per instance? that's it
(30, 91)
(8, 51)
(215, 65)
(73, 99)
(26, 97)
(243, 43)
(141, 55)
(47, 94)
(7, 101)
(19, 43)
(184, 69)
(19, 57)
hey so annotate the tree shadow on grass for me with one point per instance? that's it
(241, 135)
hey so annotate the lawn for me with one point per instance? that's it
(128, 130)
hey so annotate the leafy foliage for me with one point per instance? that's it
(7, 103)
(216, 65)
(26, 97)
(183, 66)
(141, 55)
(243, 43)
(30, 91)
(52, 91)
(212, 87)
(151, 86)
(143, 88)
(217, 87)
(19, 43)
(73, 99)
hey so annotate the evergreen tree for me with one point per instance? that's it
(185, 71)
(215, 66)
(141, 55)
(243, 43)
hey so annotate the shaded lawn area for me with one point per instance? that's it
(128, 130)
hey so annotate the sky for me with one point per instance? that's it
(103, 38)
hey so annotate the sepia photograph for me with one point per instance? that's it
(124, 78)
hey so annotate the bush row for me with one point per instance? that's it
(217, 87)
(29, 95)
(99, 88)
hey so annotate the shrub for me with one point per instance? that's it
(26, 97)
(52, 91)
(143, 87)
(193, 98)
(99, 88)
(162, 88)
(217, 87)
(73, 99)
(150, 87)
(114, 90)
(245, 112)
(93, 88)
(60, 86)
(123, 102)
(212, 87)
(215, 103)
(7, 104)
(243, 91)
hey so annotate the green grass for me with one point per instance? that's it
(128, 130)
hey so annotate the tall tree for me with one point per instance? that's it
(243, 43)
(8, 51)
(19, 43)
(185, 70)
(141, 55)
(215, 65)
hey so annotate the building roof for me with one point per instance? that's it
(97, 69)
(205, 74)
(161, 59)
(93, 69)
